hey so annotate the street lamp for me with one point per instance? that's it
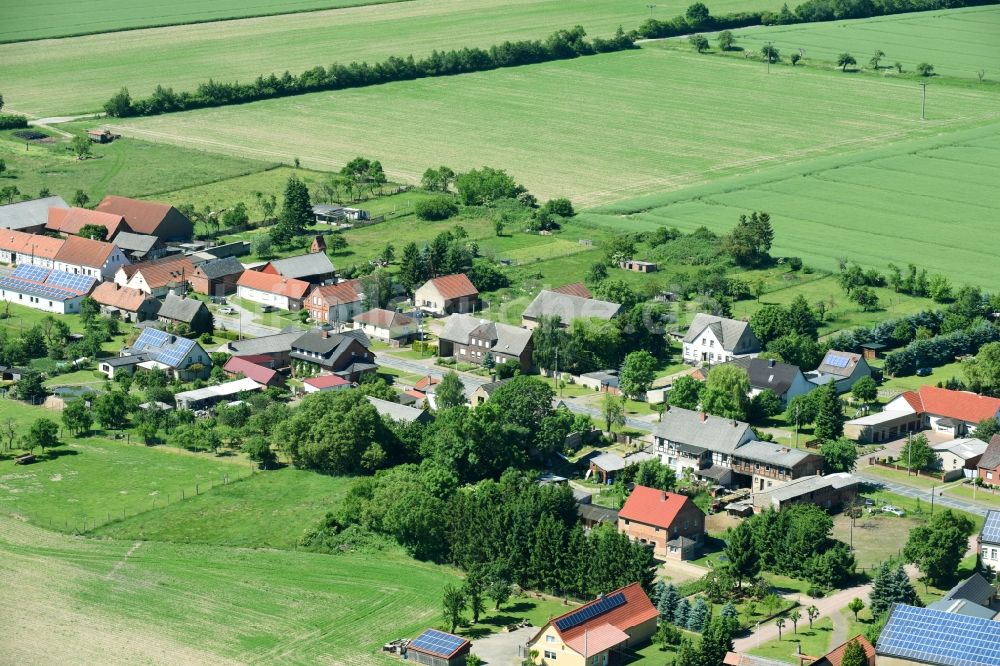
(651, 8)
(923, 100)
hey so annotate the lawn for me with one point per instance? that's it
(62, 18)
(915, 201)
(271, 510)
(913, 383)
(127, 167)
(813, 642)
(80, 74)
(875, 537)
(123, 602)
(958, 42)
(652, 118)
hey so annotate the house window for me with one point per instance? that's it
(549, 638)
(989, 475)
(711, 343)
(703, 341)
(993, 553)
(549, 654)
(626, 522)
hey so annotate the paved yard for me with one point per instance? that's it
(500, 649)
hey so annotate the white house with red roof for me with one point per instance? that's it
(671, 523)
(591, 634)
(265, 376)
(952, 413)
(446, 295)
(325, 383)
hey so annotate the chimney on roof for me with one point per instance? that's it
(325, 333)
(704, 417)
(664, 493)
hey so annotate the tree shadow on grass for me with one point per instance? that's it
(53, 454)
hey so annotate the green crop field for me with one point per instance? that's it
(122, 602)
(127, 168)
(922, 201)
(595, 129)
(958, 42)
(58, 18)
(80, 74)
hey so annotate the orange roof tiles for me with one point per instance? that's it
(79, 251)
(835, 657)
(258, 373)
(653, 507)
(144, 217)
(162, 272)
(123, 298)
(336, 294)
(19, 242)
(961, 405)
(454, 286)
(71, 220)
(273, 284)
(597, 640)
(636, 610)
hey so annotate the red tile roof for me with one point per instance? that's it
(636, 610)
(162, 272)
(348, 291)
(273, 284)
(426, 381)
(597, 640)
(454, 286)
(325, 381)
(961, 405)
(79, 251)
(71, 220)
(835, 657)
(144, 217)
(574, 289)
(19, 242)
(123, 298)
(653, 507)
(258, 373)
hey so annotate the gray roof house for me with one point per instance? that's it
(843, 368)
(567, 307)
(398, 412)
(346, 354)
(313, 267)
(277, 346)
(469, 338)
(29, 216)
(971, 596)
(139, 247)
(786, 380)
(187, 311)
(699, 442)
(715, 339)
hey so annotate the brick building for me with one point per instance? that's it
(671, 523)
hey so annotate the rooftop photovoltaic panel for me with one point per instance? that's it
(29, 272)
(936, 637)
(438, 643)
(599, 607)
(837, 361)
(35, 289)
(78, 283)
(150, 337)
(991, 530)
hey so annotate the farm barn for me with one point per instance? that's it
(438, 648)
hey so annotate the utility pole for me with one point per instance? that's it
(558, 383)
(651, 8)
(769, 52)
(797, 426)
(932, 499)
(923, 101)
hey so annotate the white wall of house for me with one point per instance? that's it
(69, 306)
(799, 386)
(708, 348)
(263, 297)
(990, 554)
(428, 298)
(392, 333)
(107, 271)
(22, 258)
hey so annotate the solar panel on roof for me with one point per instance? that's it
(837, 361)
(599, 607)
(150, 337)
(78, 283)
(36, 289)
(29, 272)
(437, 642)
(937, 637)
(991, 530)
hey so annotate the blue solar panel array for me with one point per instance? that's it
(163, 347)
(79, 283)
(599, 607)
(935, 637)
(150, 337)
(837, 361)
(438, 642)
(35, 289)
(991, 530)
(29, 272)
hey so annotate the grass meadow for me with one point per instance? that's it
(958, 42)
(79, 74)
(127, 167)
(596, 129)
(62, 18)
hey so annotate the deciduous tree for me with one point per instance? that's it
(839, 455)
(845, 60)
(937, 547)
(829, 413)
(637, 373)
(726, 392)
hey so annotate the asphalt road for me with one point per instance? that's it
(925, 495)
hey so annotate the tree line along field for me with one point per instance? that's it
(929, 202)
(596, 129)
(79, 74)
(59, 18)
(958, 42)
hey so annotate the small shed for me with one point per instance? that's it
(872, 351)
(638, 266)
(438, 648)
(606, 466)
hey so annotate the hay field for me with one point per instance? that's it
(595, 129)
(80, 74)
(932, 202)
(60, 18)
(74, 600)
(958, 42)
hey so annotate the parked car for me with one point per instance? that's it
(227, 310)
(924, 372)
(268, 308)
(894, 510)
